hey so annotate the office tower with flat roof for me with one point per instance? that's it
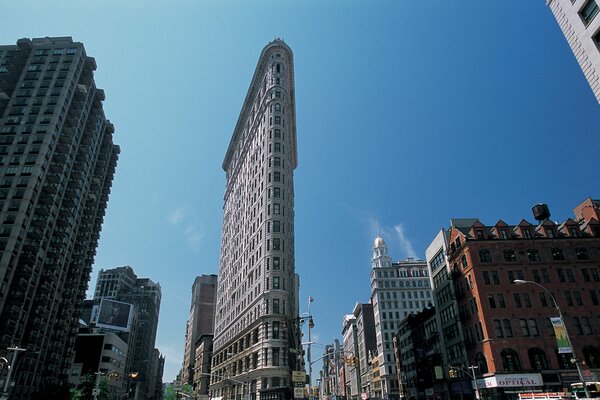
(580, 23)
(200, 322)
(122, 284)
(397, 290)
(57, 161)
(256, 335)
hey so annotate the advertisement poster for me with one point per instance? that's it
(115, 315)
(561, 335)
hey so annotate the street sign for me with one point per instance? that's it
(298, 392)
(299, 376)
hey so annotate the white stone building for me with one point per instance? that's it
(580, 23)
(397, 289)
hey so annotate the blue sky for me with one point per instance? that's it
(409, 113)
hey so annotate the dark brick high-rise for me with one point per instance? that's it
(57, 161)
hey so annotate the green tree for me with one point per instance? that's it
(170, 393)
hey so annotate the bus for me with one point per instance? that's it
(592, 387)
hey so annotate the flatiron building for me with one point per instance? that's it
(256, 342)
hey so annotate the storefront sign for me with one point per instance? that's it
(511, 380)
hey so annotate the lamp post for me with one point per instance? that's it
(310, 325)
(575, 360)
(15, 350)
(471, 375)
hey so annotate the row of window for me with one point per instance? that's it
(509, 255)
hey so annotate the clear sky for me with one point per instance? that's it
(409, 113)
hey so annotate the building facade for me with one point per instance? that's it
(508, 329)
(418, 351)
(366, 343)
(350, 351)
(451, 338)
(122, 284)
(579, 22)
(200, 322)
(257, 301)
(397, 290)
(202, 367)
(58, 161)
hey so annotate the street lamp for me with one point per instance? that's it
(15, 350)
(523, 282)
(471, 375)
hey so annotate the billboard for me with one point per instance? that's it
(115, 315)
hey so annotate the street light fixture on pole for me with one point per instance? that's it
(15, 350)
(575, 360)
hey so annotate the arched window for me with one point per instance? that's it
(481, 363)
(591, 355)
(510, 360)
(277, 107)
(537, 359)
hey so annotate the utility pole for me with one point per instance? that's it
(15, 350)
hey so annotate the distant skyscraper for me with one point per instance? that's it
(57, 164)
(123, 285)
(579, 21)
(397, 289)
(201, 321)
(257, 296)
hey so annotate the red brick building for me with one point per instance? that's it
(508, 333)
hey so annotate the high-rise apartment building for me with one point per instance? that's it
(397, 290)
(256, 335)
(200, 323)
(57, 161)
(122, 284)
(579, 21)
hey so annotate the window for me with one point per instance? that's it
(588, 12)
(509, 255)
(558, 254)
(276, 192)
(276, 226)
(277, 147)
(275, 353)
(570, 276)
(503, 234)
(537, 359)
(485, 256)
(479, 233)
(594, 297)
(463, 261)
(577, 296)
(524, 327)
(492, 300)
(581, 253)
(486, 278)
(276, 208)
(276, 282)
(510, 360)
(501, 302)
(526, 300)
(498, 329)
(276, 244)
(561, 274)
(536, 275)
(495, 277)
(517, 299)
(543, 300)
(533, 327)
(568, 298)
(533, 255)
(275, 331)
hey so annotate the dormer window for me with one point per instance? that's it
(503, 234)
(479, 233)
